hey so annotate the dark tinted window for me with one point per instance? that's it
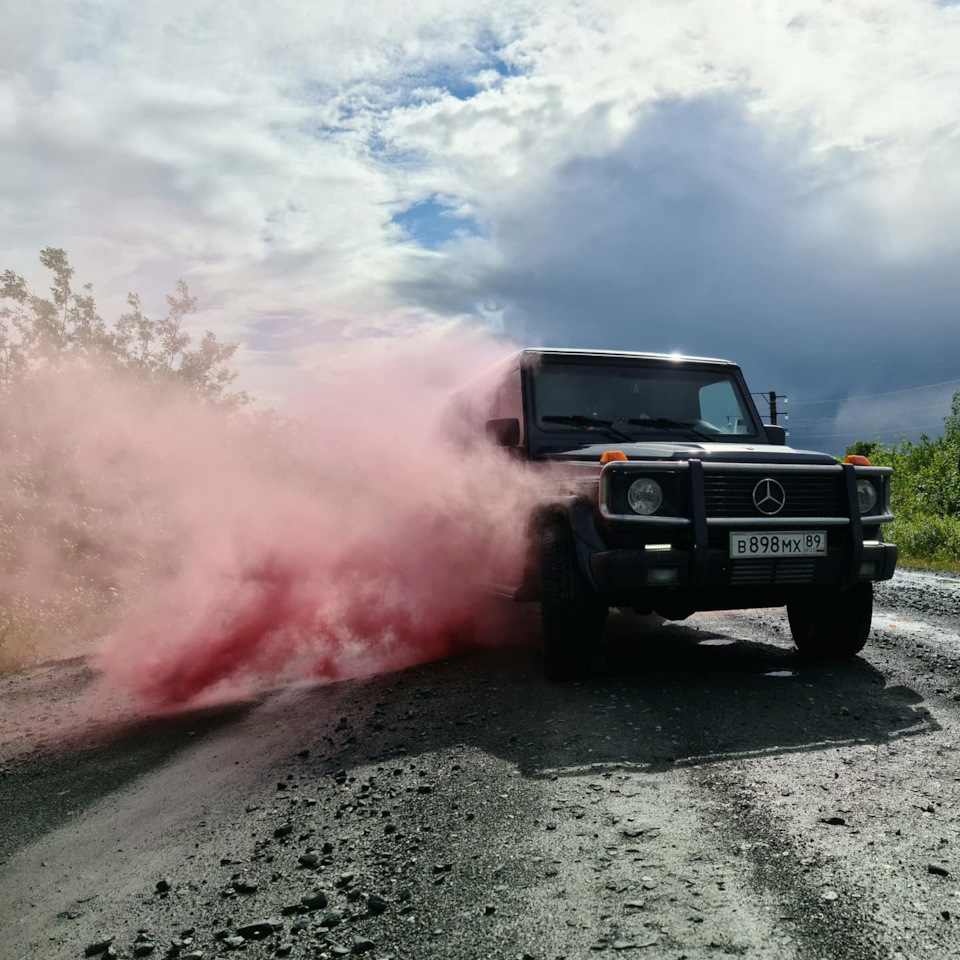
(709, 401)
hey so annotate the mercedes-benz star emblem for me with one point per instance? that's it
(769, 497)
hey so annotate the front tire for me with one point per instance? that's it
(833, 627)
(571, 612)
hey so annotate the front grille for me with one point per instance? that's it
(774, 572)
(731, 495)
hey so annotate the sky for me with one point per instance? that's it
(772, 183)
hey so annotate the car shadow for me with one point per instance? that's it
(662, 697)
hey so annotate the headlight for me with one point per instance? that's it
(866, 495)
(645, 496)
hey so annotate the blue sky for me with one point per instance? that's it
(774, 183)
(432, 224)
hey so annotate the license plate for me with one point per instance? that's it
(786, 543)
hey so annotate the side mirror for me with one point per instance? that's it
(504, 433)
(775, 434)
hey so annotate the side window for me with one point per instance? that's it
(510, 399)
(720, 408)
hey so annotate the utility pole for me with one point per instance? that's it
(772, 397)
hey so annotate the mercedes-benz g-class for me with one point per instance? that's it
(675, 497)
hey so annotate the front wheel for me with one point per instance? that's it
(832, 627)
(571, 612)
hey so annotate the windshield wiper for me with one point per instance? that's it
(579, 420)
(665, 423)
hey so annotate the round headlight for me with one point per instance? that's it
(866, 495)
(645, 496)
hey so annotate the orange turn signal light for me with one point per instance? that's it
(610, 455)
(858, 460)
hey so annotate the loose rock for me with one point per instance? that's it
(98, 947)
(259, 929)
(315, 901)
(376, 904)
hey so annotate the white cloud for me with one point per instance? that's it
(261, 152)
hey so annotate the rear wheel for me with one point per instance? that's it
(571, 612)
(833, 627)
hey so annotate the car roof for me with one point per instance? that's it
(626, 354)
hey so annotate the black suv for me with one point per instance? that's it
(675, 497)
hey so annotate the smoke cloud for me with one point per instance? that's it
(342, 536)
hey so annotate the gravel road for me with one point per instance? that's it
(704, 794)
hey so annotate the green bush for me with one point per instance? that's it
(926, 537)
(925, 491)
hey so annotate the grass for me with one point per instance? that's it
(927, 563)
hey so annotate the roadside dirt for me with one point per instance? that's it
(704, 794)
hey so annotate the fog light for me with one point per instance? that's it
(663, 575)
(658, 546)
(868, 568)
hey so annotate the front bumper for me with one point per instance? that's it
(689, 552)
(626, 571)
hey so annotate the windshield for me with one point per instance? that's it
(641, 400)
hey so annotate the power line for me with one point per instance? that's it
(872, 396)
(859, 433)
(942, 366)
(816, 421)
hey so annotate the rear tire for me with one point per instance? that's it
(571, 612)
(833, 627)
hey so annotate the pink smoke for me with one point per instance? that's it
(344, 538)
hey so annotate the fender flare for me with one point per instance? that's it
(576, 511)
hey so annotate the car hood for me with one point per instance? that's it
(694, 450)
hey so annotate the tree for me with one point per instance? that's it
(951, 422)
(862, 448)
(37, 331)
